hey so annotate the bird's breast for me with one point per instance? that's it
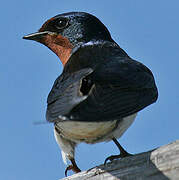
(94, 132)
(89, 132)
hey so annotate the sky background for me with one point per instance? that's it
(146, 30)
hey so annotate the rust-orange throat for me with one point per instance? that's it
(60, 45)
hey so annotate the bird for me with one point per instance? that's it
(101, 89)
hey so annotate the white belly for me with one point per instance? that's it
(93, 132)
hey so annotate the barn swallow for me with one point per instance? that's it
(101, 88)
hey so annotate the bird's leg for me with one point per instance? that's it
(123, 152)
(72, 167)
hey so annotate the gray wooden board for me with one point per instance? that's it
(158, 164)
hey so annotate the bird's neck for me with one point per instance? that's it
(90, 54)
(60, 45)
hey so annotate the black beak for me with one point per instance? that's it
(38, 35)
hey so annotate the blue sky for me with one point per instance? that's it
(146, 30)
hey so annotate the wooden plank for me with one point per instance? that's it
(158, 164)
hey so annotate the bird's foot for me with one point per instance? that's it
(123, 152)
(122, 155)
(72, 167)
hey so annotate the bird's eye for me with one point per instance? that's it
(61, 23)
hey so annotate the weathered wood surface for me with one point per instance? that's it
(159, 164)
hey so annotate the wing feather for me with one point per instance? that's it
(121, 87)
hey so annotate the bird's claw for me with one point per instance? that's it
(73, 168)
(111, 158)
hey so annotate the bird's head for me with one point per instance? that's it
(65, 31)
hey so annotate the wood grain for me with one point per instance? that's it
(158, 164)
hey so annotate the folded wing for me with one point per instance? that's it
(114, 89)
